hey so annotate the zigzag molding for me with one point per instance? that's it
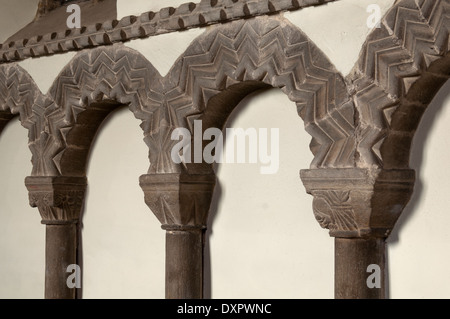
(413, 36)
(278, 54)
(17, 91)
(259, 50)
(114, 74)
(186, 16)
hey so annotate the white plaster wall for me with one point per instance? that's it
(22, 237)
(136, 7)
(155, 50)
(123, 243)
(15, 15)
(263, 241)
(345, 30)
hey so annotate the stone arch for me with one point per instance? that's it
(91, 86)
(231, 61)
(402, 66)
(18, 93)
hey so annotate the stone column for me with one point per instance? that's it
(360, 208)
(59, 200)
(181, 203)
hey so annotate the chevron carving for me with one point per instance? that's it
(238, 57)
(259, 50)
(413, 37)
(17, 92)
(278, 54)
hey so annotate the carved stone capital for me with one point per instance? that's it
(58, 198)
(179, 201)
(357, 202)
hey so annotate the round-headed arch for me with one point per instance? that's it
(402, 66)
(93, 84)
(233, 59)
(230, 61)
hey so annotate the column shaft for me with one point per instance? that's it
(184, 264)
(59, 200)
(60, 252)
(353, 256)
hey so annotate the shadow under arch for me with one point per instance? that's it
(397, 146)
(5, 118)
(75, 161)
(217, 205)
(107, 242)
(417, 155)
(423, 124)
(224, 104)
(402, 66)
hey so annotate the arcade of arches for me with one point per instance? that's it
(361, 125)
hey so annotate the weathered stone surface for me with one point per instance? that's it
(59, 199)
(356, 259)
(63, 122)
(188, 15)
(358, 202)
(361, 127)
(412, 43)
(179, 201)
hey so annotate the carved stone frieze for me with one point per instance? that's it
(186, 16)
(358, 202)
(59, 199)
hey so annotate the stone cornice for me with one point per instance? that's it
(186, 16)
